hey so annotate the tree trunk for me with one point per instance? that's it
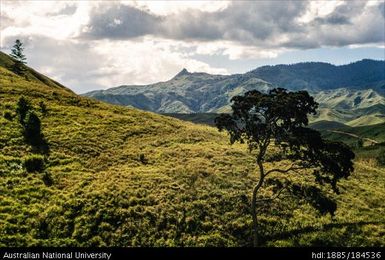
(254, 203)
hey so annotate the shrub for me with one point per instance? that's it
(34, 163)
(32, 129)
(22, 109)
(143, 159)
(47, 179)
(8, 115)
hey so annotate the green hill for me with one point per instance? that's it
(349, 135)
(117, 176)
(30, 74)
(327, 125)
(197, 118)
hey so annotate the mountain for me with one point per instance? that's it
(185, 93)
(317, 76)
(346, 93)
(118, 176)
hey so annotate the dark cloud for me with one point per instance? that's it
(343, 14)
(231, 23)
(122, 22)
(242, 21)
(258, 23)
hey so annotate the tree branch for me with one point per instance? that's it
(291, 168)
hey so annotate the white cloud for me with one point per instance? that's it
(172, 7)
(45, 18)
(145, 61)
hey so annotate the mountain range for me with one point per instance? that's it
(352, 94)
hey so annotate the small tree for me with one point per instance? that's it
(32, 129)
(19, 57)
(22, 108)
(279, 119)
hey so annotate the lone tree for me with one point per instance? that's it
(278, 120)
(19, 57)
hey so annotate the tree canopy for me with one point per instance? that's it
(19, 57)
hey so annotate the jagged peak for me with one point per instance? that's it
(183, 72)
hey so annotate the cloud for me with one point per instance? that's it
(120, 22)
(266, 24)
(100, 64)
(68, 9)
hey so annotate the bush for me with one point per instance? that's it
(32, 129)
(143, 159)
(22, 109)
(34, 163)
(47, 179)
(8, 115)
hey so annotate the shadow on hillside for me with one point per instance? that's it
(353, 227)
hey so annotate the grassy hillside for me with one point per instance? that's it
(197, 118)
(124, 177)
(327, 125)
(349, 135)
(30, 74)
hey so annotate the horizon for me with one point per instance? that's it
(88, 45)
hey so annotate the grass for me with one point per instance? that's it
(118, 176)
(370, 134)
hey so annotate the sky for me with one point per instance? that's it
(88, 45)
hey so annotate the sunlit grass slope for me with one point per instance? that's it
(124, 177)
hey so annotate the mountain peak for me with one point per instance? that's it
(182, 73)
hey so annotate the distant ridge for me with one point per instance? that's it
(351, 94)
(318, 76)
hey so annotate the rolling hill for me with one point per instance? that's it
(120, 176)
(352, 94)
(351, 107)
